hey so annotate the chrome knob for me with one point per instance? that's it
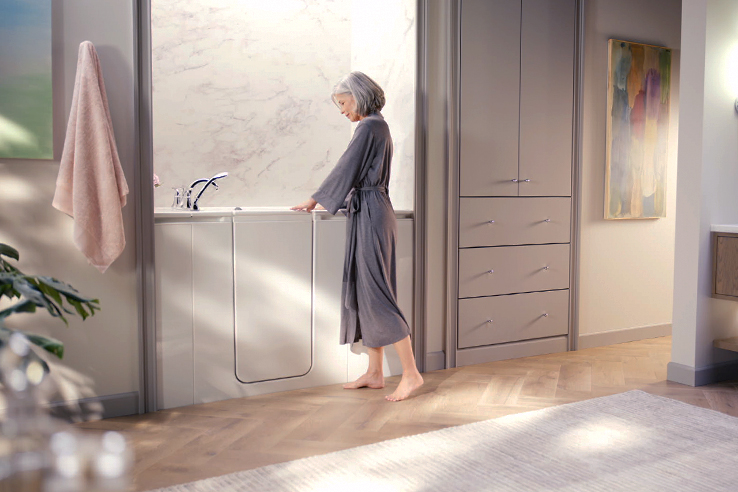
(545, 315)
(489, 321)
(546, 267)
(546, 220)
(514, 180)
(490, 221)
(526, 181)
(490, 271)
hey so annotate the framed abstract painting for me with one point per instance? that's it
(26, 109)
(638, 97)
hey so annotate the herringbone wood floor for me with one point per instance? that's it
(199, 441)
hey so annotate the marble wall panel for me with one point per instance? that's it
(383, 46)
(244, 86)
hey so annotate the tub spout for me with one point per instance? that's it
(208, 182)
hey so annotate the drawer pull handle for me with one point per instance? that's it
(546, 220)
(526, 181)
(546, 267)
(490, 221)
(514, 180)
(545, 315)
(490, 272)
(489, 321)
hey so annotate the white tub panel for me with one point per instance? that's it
(332, 357)
(213, 352)
(173, 263)
(212, 309)
(273, 265)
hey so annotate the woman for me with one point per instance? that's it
(369, 310)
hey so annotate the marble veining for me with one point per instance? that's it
(243, 86)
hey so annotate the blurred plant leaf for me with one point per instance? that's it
(47, 343)
(5, 334)
(39, 291)
(9, 251)
(19, 307)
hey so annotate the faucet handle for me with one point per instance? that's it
(180, 196)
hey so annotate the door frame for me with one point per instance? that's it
(145, 246)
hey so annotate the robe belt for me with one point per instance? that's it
(349, 266)
(355, 203)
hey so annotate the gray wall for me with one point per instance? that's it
(436, 184)
(104, 350)
(708, 174)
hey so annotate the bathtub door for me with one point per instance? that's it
(273, 297)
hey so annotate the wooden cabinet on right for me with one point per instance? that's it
(725, 266)
(516, 117)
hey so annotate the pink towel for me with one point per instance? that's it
(91, 186)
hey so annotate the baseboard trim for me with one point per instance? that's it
(603, 338)
(435, 361)
(714, 373)
(106, 406)
(512, 350)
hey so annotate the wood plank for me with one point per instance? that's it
(200, 441)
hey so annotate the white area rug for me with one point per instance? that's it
(632, 441)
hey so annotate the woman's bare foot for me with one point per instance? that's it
(407, 385)
(368, 380)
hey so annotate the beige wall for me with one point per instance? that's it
(626, 266)
(106, 346)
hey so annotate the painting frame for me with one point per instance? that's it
(638, 125)
(26, 85)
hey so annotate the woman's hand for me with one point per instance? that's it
(308, 205)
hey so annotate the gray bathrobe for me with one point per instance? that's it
(369, 309)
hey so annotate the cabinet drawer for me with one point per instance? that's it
(726, 266)
(500, 319)
(509, 221)
(513, 269)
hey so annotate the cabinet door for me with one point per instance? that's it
(273, 275)
(490, 90)
(546, 97)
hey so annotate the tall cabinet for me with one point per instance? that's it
(516, 114)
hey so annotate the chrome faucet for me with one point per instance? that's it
(192, 204)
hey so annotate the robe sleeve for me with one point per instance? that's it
(348, 171)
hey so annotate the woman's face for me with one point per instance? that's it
(347, 105)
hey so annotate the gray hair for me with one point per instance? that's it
(367, 93)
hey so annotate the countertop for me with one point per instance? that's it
(168, 214)
(732, 228)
